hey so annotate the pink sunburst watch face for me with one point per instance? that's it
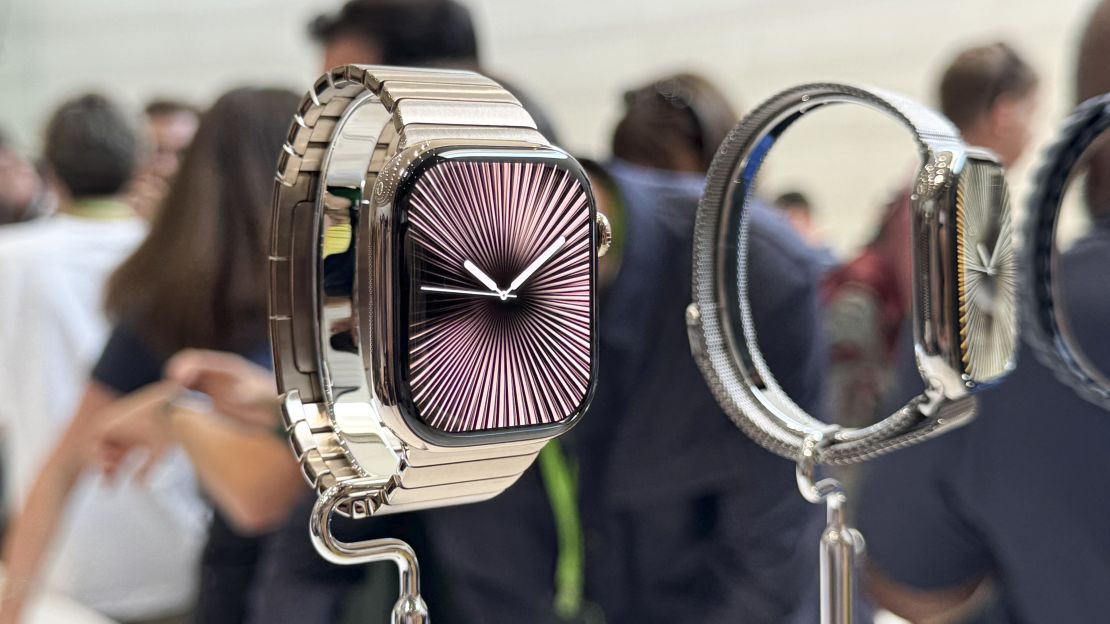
(499, 262)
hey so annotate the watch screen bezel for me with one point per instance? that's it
(401, 301)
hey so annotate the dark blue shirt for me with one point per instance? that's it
(1016, 495)
(129, 362)
(687, 519)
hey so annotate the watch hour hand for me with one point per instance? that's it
(486, 280)
(466, 291)
(536, 264)
(984, 256)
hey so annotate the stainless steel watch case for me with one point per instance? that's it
(369, 421)
(934, 205)
(388, 335)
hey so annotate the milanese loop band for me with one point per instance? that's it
(376, 112)
(1046, 327)
(731, 361)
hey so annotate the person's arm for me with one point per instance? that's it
(33, 527)
(919, 605)
(250, 474)
(925, 558)
(238, 388)
(248, 471)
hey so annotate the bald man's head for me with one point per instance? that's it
(1093, 78)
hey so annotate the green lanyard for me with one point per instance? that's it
(100, 210)
(560, 478)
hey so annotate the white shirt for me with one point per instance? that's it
(48, 608)
(129, 550)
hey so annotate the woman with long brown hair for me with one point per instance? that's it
(198, 280)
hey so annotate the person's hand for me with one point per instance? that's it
(140, 420)
(239, 389)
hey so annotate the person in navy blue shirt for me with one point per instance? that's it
(1015, 497)
(686, 519)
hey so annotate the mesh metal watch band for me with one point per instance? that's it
(1046, 327)
(739, 377)
(416, 106)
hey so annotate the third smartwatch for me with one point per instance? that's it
(432, 300)
(965, 326)
(1047, 328)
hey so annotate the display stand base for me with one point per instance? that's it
(410, 607)
(841, 545)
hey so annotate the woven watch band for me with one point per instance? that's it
(1046, 329)
(738, 377)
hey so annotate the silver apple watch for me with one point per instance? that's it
(432, 306)
(432, 300)
(965, 328)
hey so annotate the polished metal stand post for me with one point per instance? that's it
(841, 544)
(410, 607)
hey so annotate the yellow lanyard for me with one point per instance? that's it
(99, 210)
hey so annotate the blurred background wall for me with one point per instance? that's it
(576, 57)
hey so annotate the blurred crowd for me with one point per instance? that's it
(147, 478)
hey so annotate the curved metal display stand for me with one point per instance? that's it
(841, 545)
(410, 607)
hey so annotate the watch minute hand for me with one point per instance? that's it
(536, 264)
(994, 251)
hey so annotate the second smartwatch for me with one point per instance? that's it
(964, 285)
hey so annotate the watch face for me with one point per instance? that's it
(987, 272)
(497, 274)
